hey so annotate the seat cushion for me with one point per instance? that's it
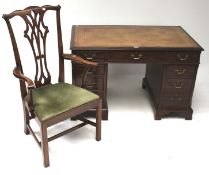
(54, 99)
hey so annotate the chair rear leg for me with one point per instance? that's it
(44, 145)
(26, 119)
(98, 120)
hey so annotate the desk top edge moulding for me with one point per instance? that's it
(114, 37)
(171, 56)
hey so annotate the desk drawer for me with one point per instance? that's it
(186, 57)
(163, 57)
(94, 78)
(91, 55)
(178, 85)
(123, 56)
(181, 71)
(94, 83)
(175, 101)
(98, 70)
(100, 93)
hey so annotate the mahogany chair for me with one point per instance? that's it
(50, 103)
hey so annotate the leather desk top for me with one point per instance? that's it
(115, 37)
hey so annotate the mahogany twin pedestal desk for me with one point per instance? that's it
(170, 54)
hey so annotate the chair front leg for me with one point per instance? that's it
(98, 120)
(44, 145)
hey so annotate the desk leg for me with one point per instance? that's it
(158, 115)
(187, 113)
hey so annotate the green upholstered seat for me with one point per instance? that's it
(57, 98)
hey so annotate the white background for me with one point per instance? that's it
(132, 142)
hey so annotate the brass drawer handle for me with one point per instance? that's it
(180, 71)
(90, 57)
(136, 57)
(179, 99)
(183, 57)
(179, 86)
(91, 83)
(90, 72)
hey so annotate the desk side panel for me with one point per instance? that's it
(153, 81)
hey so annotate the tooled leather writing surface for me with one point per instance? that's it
(131, 37)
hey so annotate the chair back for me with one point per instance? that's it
(36, 33)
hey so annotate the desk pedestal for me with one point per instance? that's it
(170, 87)
(96, 82)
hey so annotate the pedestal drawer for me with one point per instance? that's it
(98, 70)
(178, 85)
(181, 71)
(94, 83)
(175, 101)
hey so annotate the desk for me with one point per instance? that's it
(171, 57)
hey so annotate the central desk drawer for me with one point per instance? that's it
(162, 57)
(126, 57)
